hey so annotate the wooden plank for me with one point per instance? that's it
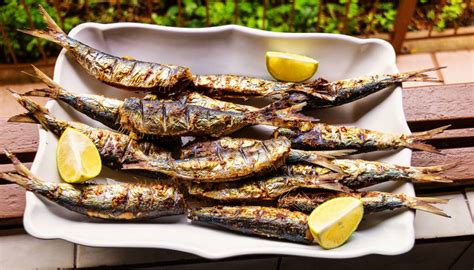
(431, 106)
(462, 174)
(453, 138)
(12, 201)
(18, 137)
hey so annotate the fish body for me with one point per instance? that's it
(361, 173)
(256, 220)
(319, 136)
(263, 188)
(118, 71)
(224, 164)
(117, 201)
(373, 201)
(317, 94)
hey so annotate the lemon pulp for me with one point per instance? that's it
(77, 157)
(290, 67)
(333, 222)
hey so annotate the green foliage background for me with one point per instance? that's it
(363, 17)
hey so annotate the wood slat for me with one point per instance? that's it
(428, 107)
(18, 137)
(462, 174)
(12, 198)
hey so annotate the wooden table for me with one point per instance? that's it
(425, 107)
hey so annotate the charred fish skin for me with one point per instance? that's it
(263, 188)
(318, 136)
(361, 173)
(115, 148)
(121, 72)
(373, 201)
(224, 165)
(177, 119)
(349, 90)
(118, 201)
(256, 220)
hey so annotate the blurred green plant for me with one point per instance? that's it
(352, 17)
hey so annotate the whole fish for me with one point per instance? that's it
(256, 220)
(362, 173)
(319, 136)
(265, 187)
(317, 94)
(349, 90)
(164, 118)
(122, 72)
(117, 201)
(374, 201)
(115, 149)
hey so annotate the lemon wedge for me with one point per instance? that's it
(77, 157)
(333, 222)
(290, 67)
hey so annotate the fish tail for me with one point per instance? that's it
(23, 176)
(415, 139)
(54, 90)
(314, 157)
(287, 117)
(426, 177)
(52, 33)
(36, 114)
(419, 76)
(424, 204)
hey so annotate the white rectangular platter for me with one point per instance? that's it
(234, 50)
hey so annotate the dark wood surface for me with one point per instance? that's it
(425, 107)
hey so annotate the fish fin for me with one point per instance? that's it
(423, 205)
(432, 200)
(417, 137)
(336, 187)
(423, 147)
(15, 178)
(335, 153)
(287, 117)
(437, 168)
(43, 77)
(419, 76)
(19, 167)
(27, 103)
(423, 177)
(51, 33)
(23, 118)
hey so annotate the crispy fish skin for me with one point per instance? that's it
(256, 220)
(209, 148)
(121, 72)
(319, 136)
(374, 201)
(361, 173)
(118, 201)
(267, 188)
(225, 164)
(115, 148)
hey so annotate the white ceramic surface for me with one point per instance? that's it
(237, 50)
